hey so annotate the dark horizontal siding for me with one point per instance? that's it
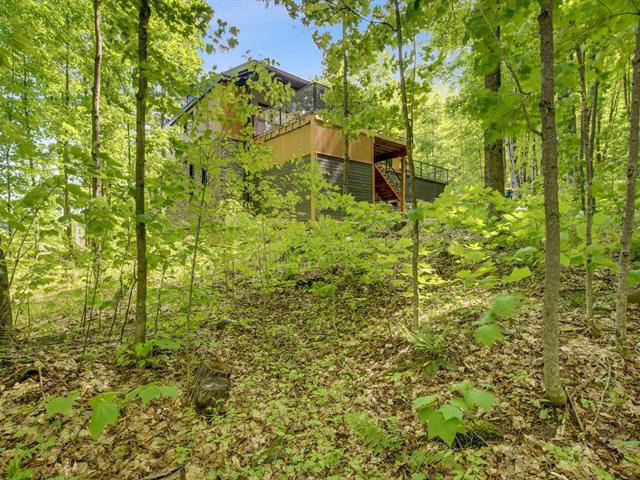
(284, 179)
(359, 176)
(426, 190)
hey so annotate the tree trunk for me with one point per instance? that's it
(6, 318)
(629, 207)
(493, 146)
(415, 233)
(141, 234)
(589, 210)
(550, 333)
(345, 108)
(195, 251)
(66, 207)
(95, 107)
(513, 167)
(584, 127)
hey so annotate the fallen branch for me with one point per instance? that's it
(604, 391)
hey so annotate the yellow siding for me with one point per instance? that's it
(294, 143)
(330, 142)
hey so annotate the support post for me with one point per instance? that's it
(313, 159)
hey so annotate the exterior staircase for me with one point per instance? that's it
(386, 189)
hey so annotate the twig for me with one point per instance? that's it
(558, 475)
(574, 409)
(41, 382)
(604, 391)
(73, 439)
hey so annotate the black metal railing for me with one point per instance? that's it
(306, 100)
(427, 171)
(393, 174)
(423, 170)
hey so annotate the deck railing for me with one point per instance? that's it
(428, 171)
(423, 170)
(393, 174)
(306, 100)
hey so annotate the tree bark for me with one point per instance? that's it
(6, 318)
(513, 167)
(589, 210)
(584, 127)
(95, 107)
(66, 206)
(550, 334)
(195, 251)
(629, 207)
(345, 108)
(493, 146)
(141, 233)
(408, 124)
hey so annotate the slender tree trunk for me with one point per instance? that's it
(66, 206)
(195, 252)
(141, 233)
(629, 207)
(345, 108)
(6, 319)
(27, 123)
(95, 108)
(513, 167)
(408, 125)
(584, 127)
(493, 146)
(589, 211)
(550, 334)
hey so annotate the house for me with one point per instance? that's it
(296, 133)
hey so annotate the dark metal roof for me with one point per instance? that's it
(242, 73)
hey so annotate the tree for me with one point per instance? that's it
(629, 207)
(95, 105)
(141, 236)
(345, 104)
(408, 126)
(493, 144)
(6, 318)
(550, 334)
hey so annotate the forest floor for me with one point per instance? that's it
(299, 370)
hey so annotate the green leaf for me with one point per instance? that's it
(449, 411)
(63, 405)
(488, 334)
(517, 274)
(447, 430)
(421, 402)
(504, 305)
(525, 252)
(152, 391)
(416, 215)
(105, 411)
(634, 277)
(480, 398)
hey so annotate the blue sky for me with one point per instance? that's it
(266, 32)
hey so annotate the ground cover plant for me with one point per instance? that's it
(170, 309)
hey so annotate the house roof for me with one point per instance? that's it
(241, 73)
